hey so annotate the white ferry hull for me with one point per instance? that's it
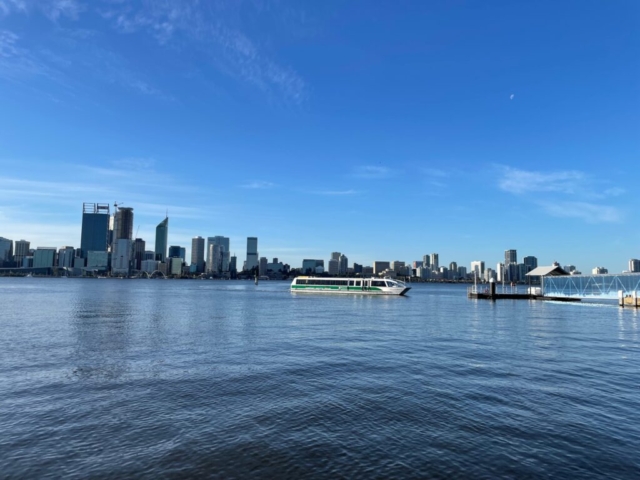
(348, 286)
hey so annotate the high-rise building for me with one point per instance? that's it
(435, 264)
(357, 268)
(139, 246)
(21, 251)
(233, 265)
(66, 256)
(335, 256)
(44, 257)
(252, 253)
(6, 250)
(426, 261)
(462, 272)
(149, 255)
(222, 254)
(176, 251)
(530, 262)
(334, 267)
(264, 262)
(95, 228)
(634, 264)
(122, 244)
(396, 265)
(214, 258)
(343, 264)
(500, 272)
(197, 254)
(162, 236)
(379, 267)
(599, 271)
(510, 256)
(477, 269)
(309, 266)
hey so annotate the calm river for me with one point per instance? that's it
(225, 379)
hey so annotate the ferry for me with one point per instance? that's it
(357, 286)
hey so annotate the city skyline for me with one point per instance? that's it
(516, 131)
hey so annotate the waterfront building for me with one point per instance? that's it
(139, 254)
(335, 256)
(149, 255)
(66, 256)
(221, 255)
(522, 272)
(634, 264)
(21, 251)
(343, 264)
(426, 261)
(500, 276)
(162, 236)
(309, 266)
(79, 262)
(276, 267)
(121, 259)
(462, 273)
(367, 271)
(569, 268)
(435, 263)
(477, 268)
(27, 262)
(233, 264)
(97, 260)
(512, 272)
(357, 268)
(379, 267)
(334, 267)
(264, 262)
(214, 258)
(6, 250)
(510, 256)
(599, 271)
(252, 253)
(444, 272)
(396, 265)
(149, 266)
(489, 274)
(95, 228)
(197, 254)
(530, 262)
(175, 266)
(453, 271)
(44, 257)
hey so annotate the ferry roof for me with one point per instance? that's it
(552, 271)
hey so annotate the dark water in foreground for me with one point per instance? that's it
(153, 378)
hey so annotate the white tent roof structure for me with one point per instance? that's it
(552, 271)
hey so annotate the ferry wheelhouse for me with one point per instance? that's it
(355, 286)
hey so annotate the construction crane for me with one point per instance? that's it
(115, 204)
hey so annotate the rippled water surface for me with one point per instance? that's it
(153, 378)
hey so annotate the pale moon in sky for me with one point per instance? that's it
(511, 96)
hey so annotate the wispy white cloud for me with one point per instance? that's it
(518, 181)
(335, 192)
(589, 212)
(435, 172)
(372, 171)
(614, 192)
(259, 184)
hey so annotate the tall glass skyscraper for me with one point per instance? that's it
(95, 228)
(252, 253)
(162, 234)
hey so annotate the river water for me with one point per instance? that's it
(225, 379)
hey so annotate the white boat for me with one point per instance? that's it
(353, 286)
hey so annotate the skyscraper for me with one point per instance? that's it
(66, 256)
(634, 264)
(510, 256)
(426, 261)
(264, 262)
(335, 256)
(95, 228)
(477, 267)
(197, 253)
(530, 262)
(122, 246)
(6, 250)
(222, 253)
(162, 234)
(343, 264)
(21, 251)
(252, 253)
(434, 262)
(139, 246)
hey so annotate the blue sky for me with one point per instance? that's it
(384, 130)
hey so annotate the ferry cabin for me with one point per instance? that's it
(366, 286)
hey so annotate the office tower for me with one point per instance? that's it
(263, 265)
(162, 235)
(396, 266)
(379, 267)
(44, 257)
(222, 254)
(434, 262)
(95, 228)
(357, 268)
(66, 256)
(122, 245)
(530, 262)
(512, 272)
(335, 256)
(6, 250)
(309, 266)
(453, 266)
(462, 272)
(634, 264)
(599, 271)
(510, 256)
(149, 255)
(252, 253)
(139, 254)
(233, 264)
(500, 272)
(21, 251)
(334, 267)
(343, 264)
(176, 251)
(197, 254)
(426, 261)
(477, 268)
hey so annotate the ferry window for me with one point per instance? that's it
(391, 284)
(358, 283)
(301, 282)
(342, 282)
(351, 283)
(378, 283)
